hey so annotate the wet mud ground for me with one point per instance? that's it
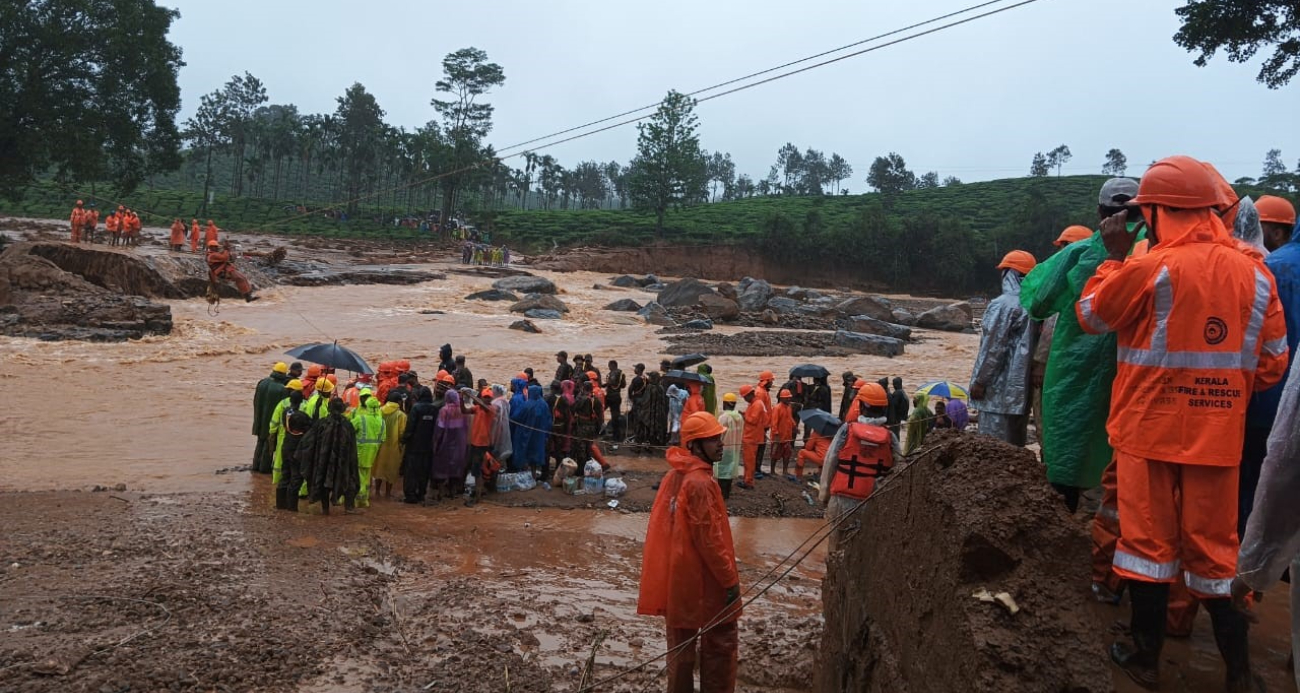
(213, 590)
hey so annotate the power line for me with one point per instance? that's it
(760, 73)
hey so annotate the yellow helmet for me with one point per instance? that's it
(294, 384)
(281, 367)
(324, 386)
(729, 397)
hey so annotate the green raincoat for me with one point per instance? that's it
(919, 423)
(1080, 367)
(369, 425)
(709, 391)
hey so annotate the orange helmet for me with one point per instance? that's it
(765, 376)
(332, 378)
(445, 377)
(1181, 182)
(700, 425)
(859, 384)
(313, 371)
(79, 203)
(1275, 210)
(486, 393)
(213, 244)
(1072, 234)
(874, 395)
(591, 375)
(1019, 261)
(746, 390)
(785, 394)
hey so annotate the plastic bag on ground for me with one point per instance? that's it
(515, 481)
(565, 469)
(593, 481)
(615, 488)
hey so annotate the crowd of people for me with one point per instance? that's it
(1151, 354)
(122, 227)
(481, 254)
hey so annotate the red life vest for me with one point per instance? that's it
(867, 453)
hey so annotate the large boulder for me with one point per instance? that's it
(683, 293)
(525, 326)
(544, 314)
(801, 294)
(873, 344)
(626, 305)
(754, 294)
(718, 307)
(704, 324)
(492, 295)
(903, 316)
(877, 307)
(783, 305)
(950, 318)
(525, 284)
(625, 281)
(728, 291)
(539, 301)
(654, 314)
(869, 325)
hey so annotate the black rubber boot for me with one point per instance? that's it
(291, 499)
(281, 498)
(1141, 661)
(1231, 631)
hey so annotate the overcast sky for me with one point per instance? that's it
(975, 101)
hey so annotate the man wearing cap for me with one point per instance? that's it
(268, 393)
(688, 572)
(756, 418)
(1278, 218)
(1198, 328)
(862, 451)
(999, 384)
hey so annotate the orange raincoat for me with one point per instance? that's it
(210, 234)
(690, 560)
(178, 233)
(194, 235)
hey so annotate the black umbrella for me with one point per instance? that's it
(684, 377)
(822, 422)
(689, 360)
(809, 370)
(332, 355)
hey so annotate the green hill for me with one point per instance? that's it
(939, 239)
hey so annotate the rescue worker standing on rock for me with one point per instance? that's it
(76, 220)
(1199, 327)
(177, 240)
(688, 572)
(999, 386)
(194, 235)
(862, 451)
(220, 266)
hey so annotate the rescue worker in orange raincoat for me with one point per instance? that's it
(1199, 328)
(177, 241)
(89, 224)
(220, 266)
(210, 233)
(76, 219)
(688, 573)
(194, 235)
(763, 390)
(756, 418)
(814, 452)
(863, 450)
(782, 433)
(1001, 379)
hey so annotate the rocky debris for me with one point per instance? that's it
(682, 293)
(544, 314)
(539, 302)
(877, 307)
(40, 299)
(362, 275)
(624, 305)
(525, 326)
(655, 288)
(782, 305)
(726, 290)
(625, 281)
(703, 324)
(527, 284)
(955, 317)
(719, 307)
(492, 295)
(801, 294)
(655, 314)
(754, 294)
(767, 342)
(868, 343)
(904, 317)
(769, 317)
(996, 525)
(868, 325)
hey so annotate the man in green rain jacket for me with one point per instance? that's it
(368, 421)
(1080, 366)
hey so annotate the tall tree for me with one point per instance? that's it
(839, 170)
(65, 66)
(1116, 163)
(1059, 157)
(1039, 168)
(670, 169)
(467, 75)
(889, 174)
(721, 171)
(929, 180)
(204, 131)
(1275, 174)
(788, 167)
(242, 96)
(360, 135)
(1242, 28)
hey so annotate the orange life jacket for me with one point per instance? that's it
(867, 453)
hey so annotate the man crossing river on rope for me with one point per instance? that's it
(221, 266)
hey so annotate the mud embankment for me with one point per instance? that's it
(719, 262)
(972, 515)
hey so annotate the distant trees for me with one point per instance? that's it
(1039, 167)
(808, 172)
(1275, 175)
(721, 171)
(889, 174)
(669, 168)
(928, 180)
(88, 89)
(1116, 163)
(1059, 157)
(951, 181)
(1242, 29)
(467, 75)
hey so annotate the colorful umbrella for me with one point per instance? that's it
(944, 389)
